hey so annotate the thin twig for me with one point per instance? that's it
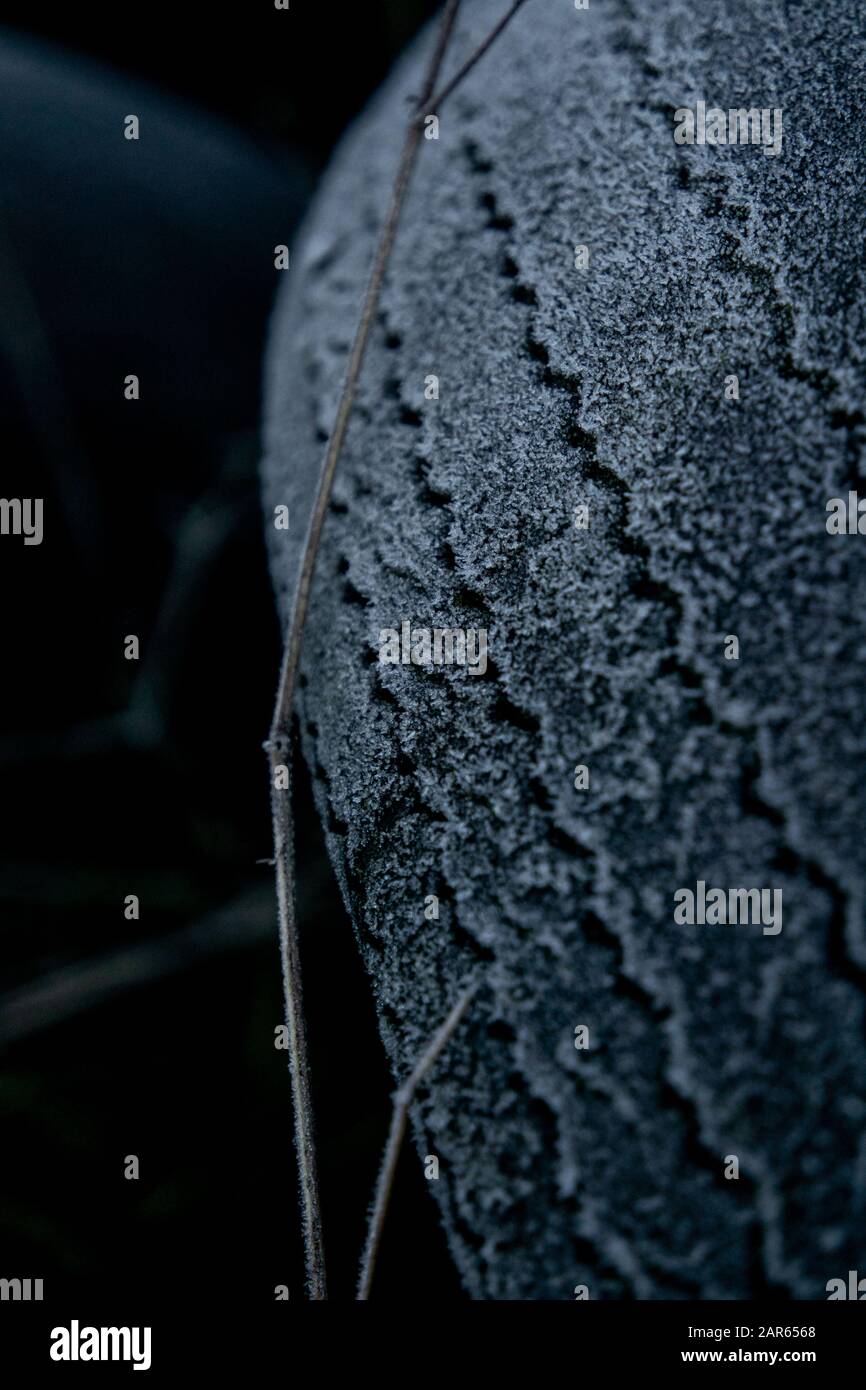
(399, 1118)
(435, 105)
(278, 746)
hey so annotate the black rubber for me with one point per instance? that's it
(561, 387)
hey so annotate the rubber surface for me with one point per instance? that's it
(561, 387)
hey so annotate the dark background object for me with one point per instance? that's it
(155, 1037)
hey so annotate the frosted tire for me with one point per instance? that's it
(604, 388)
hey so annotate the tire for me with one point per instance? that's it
(608, 1166)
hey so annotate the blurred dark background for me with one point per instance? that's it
(155, 1037)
